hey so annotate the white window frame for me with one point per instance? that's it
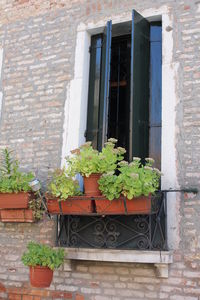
(77, 98)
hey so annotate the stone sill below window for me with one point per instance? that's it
(160, 259)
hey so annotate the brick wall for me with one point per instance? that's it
(39, 38)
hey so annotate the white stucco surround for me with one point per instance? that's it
(77, 96)
(1, 94)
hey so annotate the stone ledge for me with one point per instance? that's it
(160, 259)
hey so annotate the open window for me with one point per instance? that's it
(124, 99)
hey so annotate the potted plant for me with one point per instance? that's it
(14, 190)
(131, 190)
(62, 195)
(42, 260)
(14, 184)
(91, 164)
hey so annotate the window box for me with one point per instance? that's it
(85, 205)
(79, 205)
(17, 215)
(14, 200)
(138, 205)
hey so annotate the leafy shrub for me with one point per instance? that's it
(86, 160)
(62, 185)
(134, 180)
(42, 255)
(11, 178)
(108, 186)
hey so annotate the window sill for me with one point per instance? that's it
(160, 259)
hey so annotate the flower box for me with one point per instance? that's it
(17, 215)
(137, 205)
(84, 205)
(78, 205)
(14, 200)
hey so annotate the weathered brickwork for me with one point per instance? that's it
(39, 40)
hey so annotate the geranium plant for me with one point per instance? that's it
(42, 255)
(62, 185)
(134, 180)
(42, 260)
(86, 160)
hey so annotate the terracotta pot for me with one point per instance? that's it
(40, 276)
(107, 207)
(138, 205)
(91, 186)
(14, 200)
(17, 215)
(79, 205)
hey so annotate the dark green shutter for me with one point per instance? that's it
(139, 87)
(105, 80)
(94, 90)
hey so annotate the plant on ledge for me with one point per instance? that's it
(61, 192)
(62, 185)
(42, 261)
(12, 180)
(91, 164)
(135, 182)
(14, 190)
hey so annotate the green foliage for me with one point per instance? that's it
(11, 178)
(108, 186)
(36, 206)
(62, 185)
(42, 255)
(134, 180)
(86, 161)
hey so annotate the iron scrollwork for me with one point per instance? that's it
(144, 232)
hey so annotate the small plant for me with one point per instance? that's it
(86, 160)
(108, 186)
(36, 206)
(62, 185)
(12, 180)
(42, 255)
(134, 180)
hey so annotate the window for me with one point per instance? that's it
(124, 99)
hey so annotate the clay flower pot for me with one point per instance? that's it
(40, 276)
(91, 186)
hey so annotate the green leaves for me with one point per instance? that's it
(134, 180)
(11, 178)
(109, 187)
(62, 185)
(42, 255)
(86, 160)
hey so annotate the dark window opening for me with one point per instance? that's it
(118, 110)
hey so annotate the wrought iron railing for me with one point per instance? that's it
(116, 231)
(136, 232)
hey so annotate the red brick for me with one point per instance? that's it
(22, 1)
(79, 297)
(37, 298)
(27, 297)
(61, 295)
(14, 297)
(2, 288)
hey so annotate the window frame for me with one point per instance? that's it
(77, 96)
